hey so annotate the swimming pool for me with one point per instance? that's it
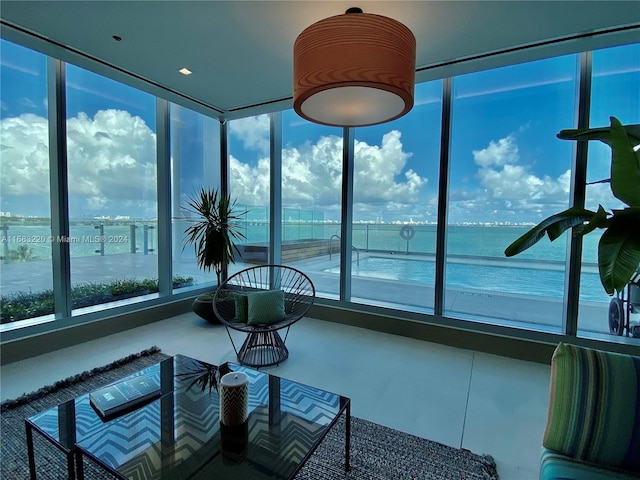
(530, 281)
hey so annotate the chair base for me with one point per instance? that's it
(263, 349)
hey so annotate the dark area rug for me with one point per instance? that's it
(377, 452)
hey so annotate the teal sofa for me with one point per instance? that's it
(593, 425)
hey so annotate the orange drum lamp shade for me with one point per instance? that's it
(354, 69)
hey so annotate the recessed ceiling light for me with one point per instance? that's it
(185, 71)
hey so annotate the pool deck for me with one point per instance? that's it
(542, 313)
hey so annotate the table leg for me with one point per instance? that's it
(30, 454)
(347, 440)
(71, 471)
(79, 465)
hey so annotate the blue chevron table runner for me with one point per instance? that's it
(178, 435)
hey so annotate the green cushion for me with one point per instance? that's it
(594, 409)
(265, 307)
(242, 313)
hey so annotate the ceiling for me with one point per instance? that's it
(240, 52)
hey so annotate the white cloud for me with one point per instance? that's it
(507, 190)
(501, 152)
(253, 132)
(111, 160)
(312, 177)
(250, 185)
(24, 163)
(377, 169)
(112, 169)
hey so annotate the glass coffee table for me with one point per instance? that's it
(178, 435)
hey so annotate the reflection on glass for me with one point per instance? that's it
(111, 149)
(507, 172)
(615, 91)
(395, 206)
(249, 177)
(195, 163)
(26, 280)
(311, 200)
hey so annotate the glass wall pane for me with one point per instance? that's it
(508, 171)
(396, 205)
(26, 280)
(249, 185)
(111, 148)
(615, 91)
(195, 164)
(311, 200)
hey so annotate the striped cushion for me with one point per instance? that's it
(554, 466)
(594, 410)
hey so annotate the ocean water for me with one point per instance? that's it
(471, 246)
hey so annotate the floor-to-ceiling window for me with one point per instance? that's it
(615, 91)
(395, 205)
(249, 185)
(507, 172)
(26, 282)
(195, 164)
(111, 157)
(311, 200)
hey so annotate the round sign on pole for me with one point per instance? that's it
(407, 233)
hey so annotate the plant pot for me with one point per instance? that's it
(202, 307)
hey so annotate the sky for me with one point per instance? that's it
(506, 163)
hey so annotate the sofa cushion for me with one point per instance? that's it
(241, 307)
(265, 307)
(555, 466)
(594, 409)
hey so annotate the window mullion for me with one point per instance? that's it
(346, 242)
(59, 192)
(577, 198)
(275, 192)
(443, 193)
(163, 149)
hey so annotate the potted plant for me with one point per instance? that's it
(619, 246)
(213, 235)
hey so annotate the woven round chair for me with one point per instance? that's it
(260, 301)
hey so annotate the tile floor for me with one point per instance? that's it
(484, 403)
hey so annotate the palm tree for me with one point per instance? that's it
(215, 232)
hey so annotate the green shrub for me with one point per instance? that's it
(150, 285)
(179, 281)
(87, 294)
(21, 305)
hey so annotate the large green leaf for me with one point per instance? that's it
(602, 133)
(552, 226)
(599, 220)
(625, 166)
(619, 250)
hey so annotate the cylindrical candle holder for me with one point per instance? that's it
(234, 398)
(234, 415)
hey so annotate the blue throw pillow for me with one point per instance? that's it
(265, 307)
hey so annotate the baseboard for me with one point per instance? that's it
(508, 342)
(55, 339)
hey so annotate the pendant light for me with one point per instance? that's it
(354, 69)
